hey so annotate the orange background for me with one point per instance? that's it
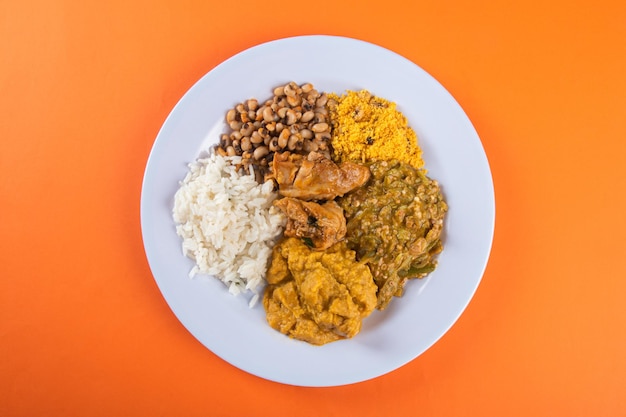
(84, 89)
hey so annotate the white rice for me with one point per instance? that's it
(227, 222)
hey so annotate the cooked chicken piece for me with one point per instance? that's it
(316, 177)
(319, 225)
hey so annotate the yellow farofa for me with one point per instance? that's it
(369, 128)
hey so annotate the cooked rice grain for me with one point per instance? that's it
(227, 223)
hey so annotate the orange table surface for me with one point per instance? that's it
(84, 89)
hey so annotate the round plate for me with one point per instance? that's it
(453, 155)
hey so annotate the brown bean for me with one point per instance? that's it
(306, 87)
(230, 151)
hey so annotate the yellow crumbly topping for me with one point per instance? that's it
(369, 128)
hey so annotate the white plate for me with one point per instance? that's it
(453, 155)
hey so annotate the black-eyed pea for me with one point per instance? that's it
(306, 134)
(294, 101)
(295, 142)
(291, 117)
(246, 145)
(319, 127)
(282, 112)
(274, 145)
(290, 90)
(282, 140)
(235, 125)
(319, 118)
(284, 134)
(246, 129)
(322, 136)
(322, 100)
(224, 140)
(309, 146)
(260, 152)
(307, 116)
(231, 116)
(268, 115)
(252, 104)
(256, 137)
(259, 113)
(279, 91)
(295, 128)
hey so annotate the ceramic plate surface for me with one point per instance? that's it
(453, 155)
